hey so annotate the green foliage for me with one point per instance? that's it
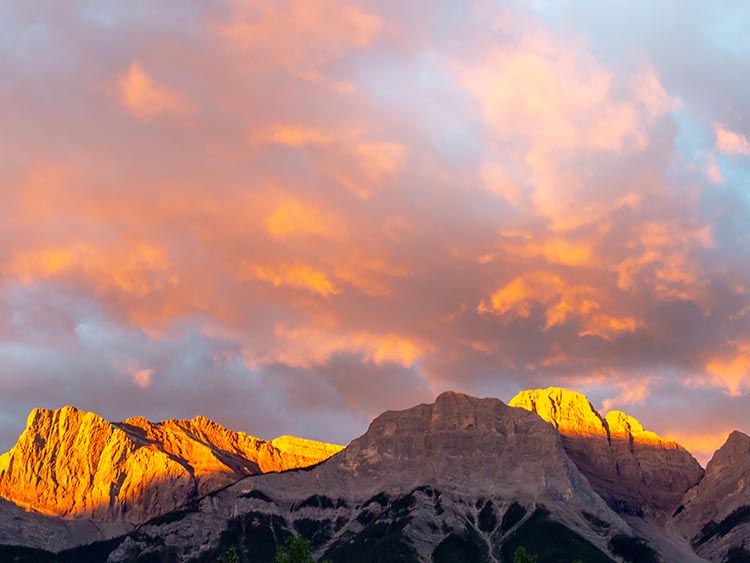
(296, 550)
(231, 556)
(551, 542)
(522, 556)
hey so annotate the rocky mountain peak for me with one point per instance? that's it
(568, 411)
(636, 471)
(481, 446)
(715, 514)
(461, 473)
(75, 464)
(735, 449)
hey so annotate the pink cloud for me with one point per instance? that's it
(142, 378)
(367, 203)
(145, 99)
(731, 142)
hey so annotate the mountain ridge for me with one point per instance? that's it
(77, 465)
(460, 477)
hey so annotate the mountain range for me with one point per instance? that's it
(461, 479)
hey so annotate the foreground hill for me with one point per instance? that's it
(77, 465)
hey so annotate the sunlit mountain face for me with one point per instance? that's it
(291, 216)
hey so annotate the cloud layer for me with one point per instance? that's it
(292, 216)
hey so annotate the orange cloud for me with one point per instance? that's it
(561, 301)
(514, 85)
(554, 250)
(360, 164)
(371, 164)
(547, 103)
(138, 93)
(301, 37)
(293, 218)
(297, 276)
(664, 262)
(372, 275)
(137, 271)
(367, 182)
(702, 445)
(730, 142)
(632, 390)
(295, 136)
(307, 346)
(731, 373)
(497, 181)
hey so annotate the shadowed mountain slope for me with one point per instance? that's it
(715, 514)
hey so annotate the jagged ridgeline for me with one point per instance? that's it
(74, 477)
(464, 479)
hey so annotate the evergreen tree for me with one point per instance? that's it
(296, 549)
(522, 556)
(231, 556)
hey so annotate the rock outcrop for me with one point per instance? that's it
(460, 479)
(715, 514)
(21, 526)
(634, 470)
(75, 464)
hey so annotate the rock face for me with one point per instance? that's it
(75, 464)
(462, 479)
(21, 526)
(636, 471)
(715, 514)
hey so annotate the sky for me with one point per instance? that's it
(290, 216)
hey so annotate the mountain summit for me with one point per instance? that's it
(634, 470)
(461, 479)
(715, 515)
(75, 464)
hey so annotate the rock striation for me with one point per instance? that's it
(636, 471)
(75, 464)
(715, 514)
(460, 479)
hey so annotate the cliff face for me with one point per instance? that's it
(460, 479)
(715, 514)
(75, 464)
(634, 470)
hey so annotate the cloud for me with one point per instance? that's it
(297, 276)
(731, 371)
(561, 301)
(730, 142)
(301, 39)
(701, 445)
(334, 208)
(293, 218)
(142, 378)
(139, 94)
